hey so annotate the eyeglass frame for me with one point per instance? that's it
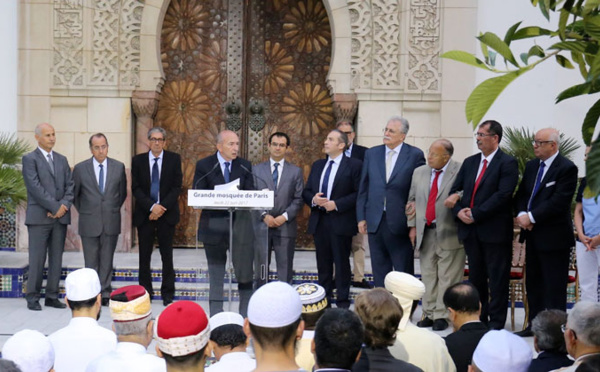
(540, 143)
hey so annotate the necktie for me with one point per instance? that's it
(430, 211)
(478, 180)
(155, 185)
(275, 175)
(538, 182)
(325, 184)
(226, 172)
(388, 165)
(101, 178)
(50, 163)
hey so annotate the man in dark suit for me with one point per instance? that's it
(337, 340)
(359, 240)
(49, 185)
(543, 203)
(286, 180)
(223, 167)
(100, 191)
(549, 341)
(331, 191)
(485, 225)
(462, 302)
(156, 180)
(384, 186)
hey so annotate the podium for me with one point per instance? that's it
(248, 205)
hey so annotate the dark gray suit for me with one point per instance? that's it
(46, 192)
(100, 215)
(288, 199)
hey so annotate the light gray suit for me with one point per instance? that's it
(46, 192)
(100, 215)
(288, 199)
(442, 255)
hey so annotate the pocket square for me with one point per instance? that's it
(550, 183)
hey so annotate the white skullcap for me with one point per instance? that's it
(500, 351)
(274, 305)
(30, 350)
(82, 284)
(406, 288)
(224, 318)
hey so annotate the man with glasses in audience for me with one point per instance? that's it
(582, 333)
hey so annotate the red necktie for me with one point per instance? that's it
(430, 211)
(478, 180)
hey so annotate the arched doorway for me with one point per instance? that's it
(255, 67)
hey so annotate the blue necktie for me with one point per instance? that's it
(101, 178)
(538, 183)
(226, 172)
(275, 175)
(325, 184)
(155, 186)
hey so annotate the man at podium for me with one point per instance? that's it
(223, 167)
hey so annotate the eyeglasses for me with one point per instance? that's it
(539, 143)
(481, 135)
(154, 139)
(563, 328)
(348, 133)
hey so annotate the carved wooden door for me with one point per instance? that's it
(253, 66)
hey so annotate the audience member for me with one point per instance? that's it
(380, 314)
(30, 350)
(228, 343)
(591, 364)
(549, 341)
(582, 333)
(274, 322)
(182, 333)
(131, 312)
(83, 340)
(501, 351)
(314, 303)
(338, 339)
(464, 308)
(419, 346)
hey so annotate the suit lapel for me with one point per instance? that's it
(89, 166)
(342, 168)
(146, 171)
(448, 175)
(399, 163)
(42, 158)
(380, 159)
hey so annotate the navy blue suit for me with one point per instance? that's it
(390, 246)
(333, 230)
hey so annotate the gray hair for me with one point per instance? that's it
(555, 136)
(344, 122)
(133, 328)
(404, 123)
(546, 328)
(584, 320)
(157, 129)
(343, 137)
(447, 145)
(38, 128)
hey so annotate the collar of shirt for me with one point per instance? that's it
(237, 355)
(96, 164)
(222, 163)
(337, 160)
(348, 151)
(397, 149)
(443, 169)
(549, 161)
(45, 153)
(83, 321)
(151, 157)
(130, 348)
(489, 157)
(281, 162)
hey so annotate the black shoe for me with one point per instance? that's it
(167, 301)
(34, 305)
(439, 325)
(105, 301)
(525, 333)
(426, 322)
(362, 284)
(54, 302)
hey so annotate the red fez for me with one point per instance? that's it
(182, 328)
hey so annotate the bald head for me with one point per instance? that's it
(45, 136)
(228, 144)
(546, 143)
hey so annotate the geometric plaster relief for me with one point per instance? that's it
(129, 43)
(67, 67)
(424, 46)
(362, 43)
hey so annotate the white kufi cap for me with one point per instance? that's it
(501, 351)
(82, 284)
(224, 318)
(30, 350)
(274, 305)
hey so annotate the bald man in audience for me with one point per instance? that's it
(582, 333)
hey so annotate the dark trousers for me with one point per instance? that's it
(45, 240)
(389, 252)
(547, 274)
(164, 232)
(333, 249)
(98, 253)
(489, 272)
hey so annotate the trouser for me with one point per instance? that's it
(45, 240)
(98, 253)
(164, 233)
(588, 263)
(359, 241)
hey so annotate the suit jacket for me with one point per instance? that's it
(288, 196)
(99, 212)
(381, 360)
(343, 193)
(551, 205)
(462, 343)
(445, 223)
(214, 223)
(492, 205)
(358, 152)
(171, 179)
(374, 189)
(46, 192)
(549, 361)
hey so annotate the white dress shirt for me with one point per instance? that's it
(334, 169)
(105, 167)
(237, 361)
(130, 357)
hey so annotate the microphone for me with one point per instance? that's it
(206, 175)
(253, 175)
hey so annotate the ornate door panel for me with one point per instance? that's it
(253, 66)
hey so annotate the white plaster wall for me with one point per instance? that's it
(529, 100)
(8, 66)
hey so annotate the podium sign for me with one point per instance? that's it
(251, 199)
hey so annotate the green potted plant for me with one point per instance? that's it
(12, 185)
